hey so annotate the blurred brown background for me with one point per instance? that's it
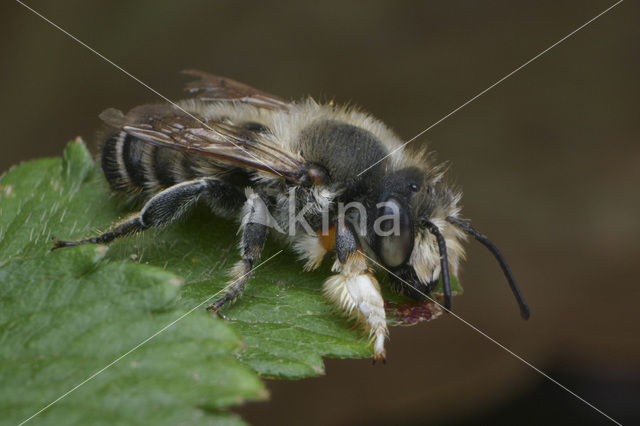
(549, 161)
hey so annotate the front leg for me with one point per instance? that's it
(254, 233)
(354, 289)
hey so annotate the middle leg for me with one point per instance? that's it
(254, 233)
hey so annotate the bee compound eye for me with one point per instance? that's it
(394, 233)
(414, 187)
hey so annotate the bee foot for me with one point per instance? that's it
(216, 309)
(60, 244)
(380, 357)
(215, 306)
(380, 353)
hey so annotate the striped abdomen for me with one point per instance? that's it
(134, 166)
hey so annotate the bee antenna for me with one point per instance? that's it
(444, 263)
(524, 309)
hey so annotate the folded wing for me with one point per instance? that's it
(170, 126)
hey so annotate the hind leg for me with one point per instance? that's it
(165, 208)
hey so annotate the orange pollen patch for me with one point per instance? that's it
(328, 239)
(316, 175)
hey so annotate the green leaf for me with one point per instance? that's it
(67, 314)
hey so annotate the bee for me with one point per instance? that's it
(326, 178)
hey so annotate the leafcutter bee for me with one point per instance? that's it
(328, 178)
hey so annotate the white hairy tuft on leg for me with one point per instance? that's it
(310, 249)
(357, 293)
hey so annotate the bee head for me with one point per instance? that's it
(411, 226)
(418, 234)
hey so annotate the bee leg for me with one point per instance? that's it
(355, 290)
(162, 209)
(311, 249)
(254, 233)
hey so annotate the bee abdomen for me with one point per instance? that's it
(132, 153)
(133, 166)
(117, 166)
(164, 166)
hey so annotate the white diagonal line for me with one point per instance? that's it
(140, 344)
(473, 327)
(494, 84)
(77, 40)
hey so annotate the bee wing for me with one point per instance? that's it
(170, 127)
(213, 88)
